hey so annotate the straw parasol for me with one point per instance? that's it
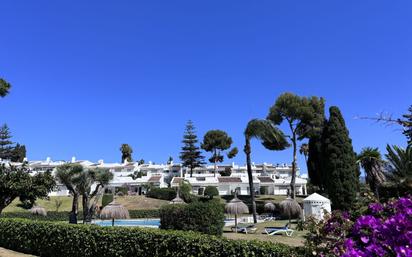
(269, 207)
(236, 206)
(290, 207)
(114, 211)
(38, 210)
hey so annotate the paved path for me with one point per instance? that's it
(7, 253)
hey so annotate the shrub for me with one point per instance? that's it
(162, 193)
(64, 240)
(64, 215)
(106, 199)
(123, 190)
(211, 191)
(206, 217)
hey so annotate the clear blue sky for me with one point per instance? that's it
(90, 75)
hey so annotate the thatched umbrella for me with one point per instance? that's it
(37, 210)
(269, 207)
(236, 206)
(290, 207)
(114, 211)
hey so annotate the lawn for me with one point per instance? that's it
(297, 239)
(130, 202)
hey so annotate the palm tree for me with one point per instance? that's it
(400, 165)
(371, 161)
(271, 138)
(68, 175)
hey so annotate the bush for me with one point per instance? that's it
(162, 193)
(64, 215)
(55, 239)
(106, 199)
(211, 191)
(122, 190)
(206, 217)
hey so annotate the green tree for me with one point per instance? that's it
(16, 182)
(211, 191)
(304, 150)
(216, 142)
(6, 145)
(18, 153)
(341, 177)
(315, 162)
(400, 166)
(69, 175)
(303, 116)
(4, 88)
(84, 182)
(126, 153)
(271, 138)
(406, 123)
(370, 160)
(191, 155)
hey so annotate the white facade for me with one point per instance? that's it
(267, 178)
(315, 206)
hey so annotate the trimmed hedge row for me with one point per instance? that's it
(162, 193)
(55, 239)
(206, 217)
(64, 215)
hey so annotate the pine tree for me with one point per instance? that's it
(18, 153)
(6, 145)
(341, 172)
(191, 155)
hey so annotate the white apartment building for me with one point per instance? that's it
(267, 178)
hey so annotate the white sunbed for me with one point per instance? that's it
(279, 230)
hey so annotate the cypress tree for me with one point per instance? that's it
(191, 155)
(315, 162)
(6, 145)
(341, 173)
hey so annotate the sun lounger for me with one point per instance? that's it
(279, 230)
(251, 229)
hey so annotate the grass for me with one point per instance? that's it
(130, 202)
(297, 239)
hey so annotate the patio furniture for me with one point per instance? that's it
(250, 229)
(279, 230)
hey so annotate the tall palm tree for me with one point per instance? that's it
(271, 138)
(400, 165)
(371, 161)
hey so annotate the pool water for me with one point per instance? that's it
(151, 223)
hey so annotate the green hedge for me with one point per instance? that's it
(206, 217)
(162, 193)
(64, 240)
(64, 215)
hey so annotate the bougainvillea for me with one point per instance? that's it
(384, 230)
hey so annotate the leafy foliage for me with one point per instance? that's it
(341, 176)
(371, 161)
(6, 145)
(216, 142)
(4, 87)
(211, 191)
(406, 123)
(64, 240)
(191, 155)
(162, 193)
(206, 217)
(126, 153)
(315, 162)
(16, 182)
(304, 117)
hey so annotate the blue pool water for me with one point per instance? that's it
(152, 223)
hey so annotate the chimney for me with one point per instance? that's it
(100, 162)
(73, 159)
(25, 159)
(48, 159)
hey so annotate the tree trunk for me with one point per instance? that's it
(215, 161)
(250, 177)
(87, 211)
(191, 171)
(292, 181)
(73, 213)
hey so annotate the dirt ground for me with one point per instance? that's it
(7, 253)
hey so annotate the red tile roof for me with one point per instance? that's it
(229, 180)
(266, 179)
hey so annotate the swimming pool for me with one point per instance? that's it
(149, 223)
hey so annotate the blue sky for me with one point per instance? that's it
(90, 75)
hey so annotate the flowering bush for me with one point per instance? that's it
(384, 230)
